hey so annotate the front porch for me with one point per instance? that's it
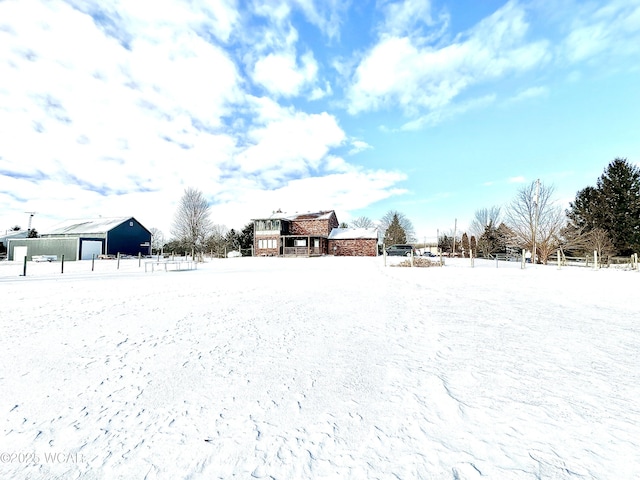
(304, 246)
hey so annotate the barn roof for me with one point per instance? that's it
(84, 226)
(353, 233)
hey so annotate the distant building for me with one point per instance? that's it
(84, 239)
(310, 234)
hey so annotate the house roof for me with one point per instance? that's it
(84, 226)
(324, 215)
(353, 233)
(13, 235)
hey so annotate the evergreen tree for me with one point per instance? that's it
(493, 240)
(246, 239)
(232, 240)
(619, 188)
(473, 246)
(613, 206)
(395, 234)
(586, 211)
(465, 244)
(401, 218)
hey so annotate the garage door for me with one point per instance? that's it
(90, 248)
(19, 253)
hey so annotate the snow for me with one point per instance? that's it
(351, 233)
(329, 367)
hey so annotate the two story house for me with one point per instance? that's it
(299, 234)
(311, 234)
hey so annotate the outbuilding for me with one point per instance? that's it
(354, 242)
(86, 239)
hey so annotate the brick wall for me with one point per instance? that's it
(354, 247)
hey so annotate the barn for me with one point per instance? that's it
(84, 239)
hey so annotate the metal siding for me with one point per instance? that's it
(47, 246)
(127, 239)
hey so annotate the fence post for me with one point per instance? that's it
(118, 264)
(62, 265)
(24, 267)
(595, 259)
(559, 265)
(522, 265)
(93, 260)
(384, 254)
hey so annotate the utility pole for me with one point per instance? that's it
(536, 199)
(455, 229)
(31, 214)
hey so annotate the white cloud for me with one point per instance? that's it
(292, 145)
(612, 29)
(325, 14)
(281, 74)
(114, 108)
(407, 17)
(343, 191)
(443, 114)
(398, 71)
(358, 146)
(518, 179)
(529, 93)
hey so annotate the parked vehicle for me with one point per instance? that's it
(400, 250)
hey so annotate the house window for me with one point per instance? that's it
(268, 225)
(268, 243)
(301, 242)
(131, 224)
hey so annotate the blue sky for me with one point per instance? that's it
(432, 108)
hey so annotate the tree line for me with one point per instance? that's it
(604, 218)
(194, 232)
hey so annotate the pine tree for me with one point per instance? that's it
(395, 234)
(619, 188)
(246, 238)
(465, 244)
(613, 206)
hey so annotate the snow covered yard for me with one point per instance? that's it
(319, 368)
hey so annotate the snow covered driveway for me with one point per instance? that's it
(321, 368)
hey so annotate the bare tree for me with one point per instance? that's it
(405, 223)
(485, 218)
(191, 224)
(157, 240)
(535, 221)
(217, 240)
(586, 242)
(363, 222)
